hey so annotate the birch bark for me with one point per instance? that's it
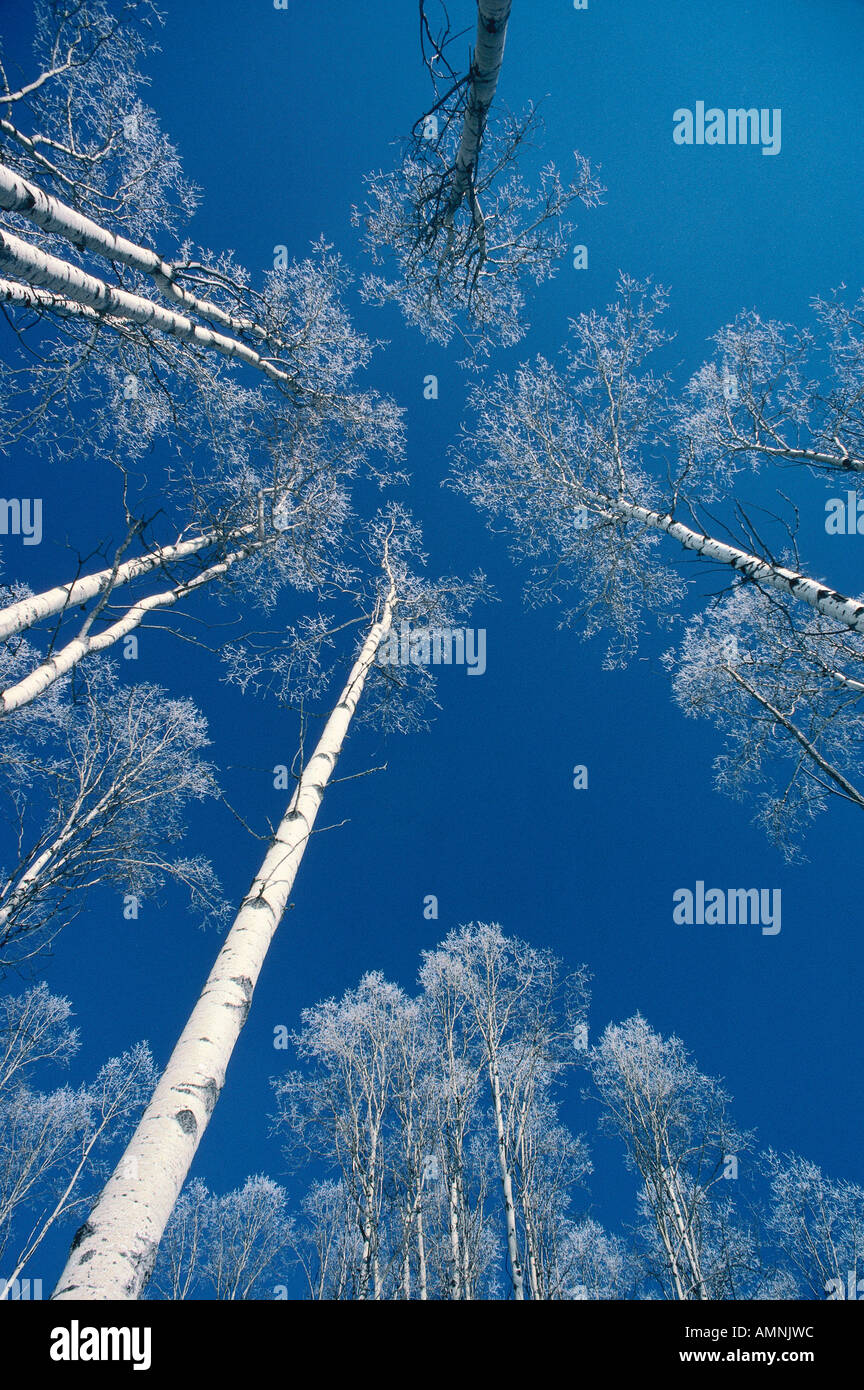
(31, 686)
(35, 608)
(822, 597)
(25, 198)
(114, 1251)
(492, 20)
(506, 1177)
(42, 271)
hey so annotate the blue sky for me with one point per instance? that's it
(277, 115)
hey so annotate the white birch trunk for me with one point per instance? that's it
(27, 297)
(819, 596)
(453, 1227)
(492, 19)
(841, 463)
(31, 686)
(421, 1251)
(506, 1181)
(36, 268)
(36, 608)
(369, 1271)
(48, 864)
(25, 198)
(682, 1226)
(114, 1251)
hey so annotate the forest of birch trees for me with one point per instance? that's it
(438, 1138)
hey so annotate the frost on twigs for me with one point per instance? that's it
(297, 666)
(96, 781)
(459, 229)
(55, 1143)
(781, 394)
(449, 277)
(787, 696)
(547, 455)
(78, 125)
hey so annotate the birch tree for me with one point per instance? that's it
(142, 339)
(78, 121)
(54, 1142)
(818, 1223)
(572, 456)
(561, 454)
(233, 1247)
(593, 1265)
(779, 394)
(520, 1013)
(327, 1243)
(293, 539)
(346, 1107)
(787, 697)
(465, 229)
(115, 1250)
(457, 1076)
(675, 1126)
(34, 1029)
(97, 786)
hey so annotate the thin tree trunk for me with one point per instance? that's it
(468, 1282)
(685, 1238)
(37, 1237)
(506, 1183)
(453, 1224)
(421, 1250)
(492, 19)
(824, 599)
(36, 608)
(114, 1251)
(20, 887)
(31, 686)
(531, 1249)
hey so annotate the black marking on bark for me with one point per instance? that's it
(86, 1257)
(208, 1091)
(143, 1264)
(187, 1122)
(245, 984)
(82, 1234)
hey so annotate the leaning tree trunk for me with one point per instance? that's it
(38, 270)
(113, 1253)
(43, 676)
(28, 200)
(822, 597)
(37, 608)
